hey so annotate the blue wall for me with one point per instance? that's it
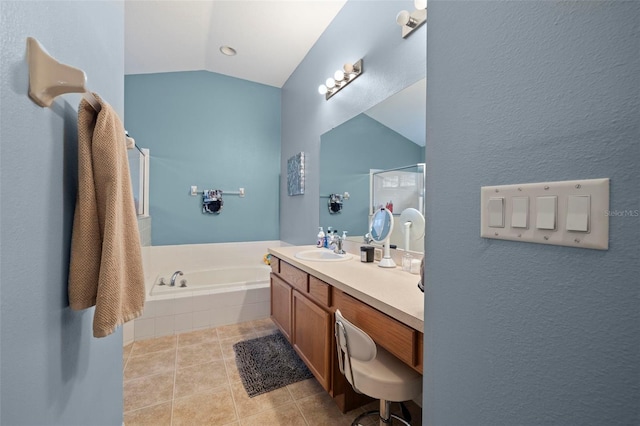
(53, 371)
(519, 333)
(363, 29)
(347, 154)
(216, 132)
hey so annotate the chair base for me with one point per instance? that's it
(384, 414)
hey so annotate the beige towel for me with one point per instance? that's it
(106, 263)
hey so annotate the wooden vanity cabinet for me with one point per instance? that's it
(307, 324)
(302, 306)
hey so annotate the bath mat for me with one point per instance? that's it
(268, 363)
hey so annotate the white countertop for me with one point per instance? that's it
(390, 290)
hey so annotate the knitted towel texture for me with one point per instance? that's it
(106, 261)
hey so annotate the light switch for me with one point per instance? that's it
(520, 212)
(496, 212)
(546, 212)
(578, 207)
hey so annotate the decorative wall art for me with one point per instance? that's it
(295, 174)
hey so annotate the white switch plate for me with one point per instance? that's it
(597, 236)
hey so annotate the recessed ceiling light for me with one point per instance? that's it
(227, 50)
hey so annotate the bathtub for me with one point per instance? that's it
(211, 281)
(227, 283)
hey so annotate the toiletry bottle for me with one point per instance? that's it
(320, 241)
(327, 237)
(406, 262)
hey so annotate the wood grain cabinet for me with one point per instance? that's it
(281, 305)
(304, 318)
(302, 306)
(312, 328)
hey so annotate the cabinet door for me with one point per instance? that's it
(281, 305)
(312, 331)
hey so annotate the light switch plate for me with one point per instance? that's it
(596, 237)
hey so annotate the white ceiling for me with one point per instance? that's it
(271, 36)
(405, 112)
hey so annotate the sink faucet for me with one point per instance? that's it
(174, 276)
(339, 240)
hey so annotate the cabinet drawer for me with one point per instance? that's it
(275, 265)
(294, 276)
(320, 291)
(387, 332)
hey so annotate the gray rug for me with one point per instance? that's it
(268, 363)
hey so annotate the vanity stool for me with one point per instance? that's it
(373, 371)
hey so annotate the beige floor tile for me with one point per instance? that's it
(199, 378)
(264, 324)
(232, 370)
(285, 415)
(197, 337)
(227, 344)
(235, 330)
(146, 391)
(304, 388)
(213, 407)
(157, 415)
(320, 410)
(262, 333)
(153, 363)
(250, 406)
(201, 353)
(154, 345)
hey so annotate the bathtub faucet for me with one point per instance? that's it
(174, 276)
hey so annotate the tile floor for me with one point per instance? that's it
(192, 379)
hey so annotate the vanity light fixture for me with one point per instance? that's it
(340, 79)
(412, 21)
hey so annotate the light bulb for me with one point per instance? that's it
(322, 89)
(330, 83)
(339, 75)
(403, 18)
(348, 68)
(420, 4)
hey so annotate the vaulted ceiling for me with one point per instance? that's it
(271, 37)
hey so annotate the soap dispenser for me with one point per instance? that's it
(327, 238)
(320, 241)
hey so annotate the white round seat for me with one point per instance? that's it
(386, 377)
(373, 371)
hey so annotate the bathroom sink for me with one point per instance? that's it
(322, 255)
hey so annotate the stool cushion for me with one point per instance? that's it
(385, 377)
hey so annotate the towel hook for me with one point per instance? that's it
(49, 78)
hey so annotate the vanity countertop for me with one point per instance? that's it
(390, 290)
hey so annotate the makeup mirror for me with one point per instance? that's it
(380, 231)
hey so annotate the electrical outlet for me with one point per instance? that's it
(377, 254)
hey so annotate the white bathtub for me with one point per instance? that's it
(211, 281)
(227, 283)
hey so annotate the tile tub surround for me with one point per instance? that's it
(172, 314)
(191, 378)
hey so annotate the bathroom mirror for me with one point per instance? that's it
(380, 232)
(389, 135)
